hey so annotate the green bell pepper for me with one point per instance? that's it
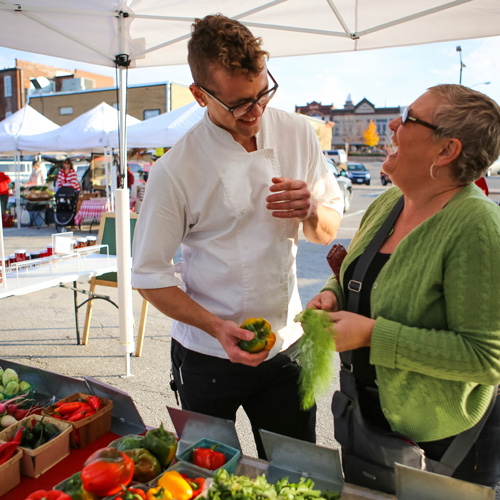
(146, 465)
(162, 444)
(74, 487)
(130, 442)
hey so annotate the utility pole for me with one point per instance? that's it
(462, 65)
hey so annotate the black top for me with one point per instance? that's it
(363, 370)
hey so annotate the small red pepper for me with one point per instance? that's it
(196, 484)
(7, 450)
(208, 458)
(94, 402)
(131, 494)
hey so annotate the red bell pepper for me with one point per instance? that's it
(208, 458)
(196, 484)
(48, 495)
(106, 470)
(131, 494)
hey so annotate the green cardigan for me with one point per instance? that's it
(436, 339)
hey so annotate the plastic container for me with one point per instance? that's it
(20, 255)
(232, 454)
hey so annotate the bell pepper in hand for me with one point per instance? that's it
(159, 493)
(48, 495)
(173, 482)
(264, 338)
(208, 458)
(146, 466)
(162, 444)
(106, 470)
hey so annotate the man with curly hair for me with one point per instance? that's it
(233, 192)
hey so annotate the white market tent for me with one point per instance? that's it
(142, 33)
(163, 130)
(93, 130)
(23, 123)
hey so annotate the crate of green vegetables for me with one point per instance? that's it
(11, 385)
(44, 443)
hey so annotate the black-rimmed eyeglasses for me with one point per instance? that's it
(406, 117)
(246, 106)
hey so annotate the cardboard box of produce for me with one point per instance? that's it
(10, 473)
(88, 429)
(35, 462)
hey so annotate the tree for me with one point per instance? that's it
(370, 135)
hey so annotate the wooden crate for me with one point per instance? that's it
(10, 472)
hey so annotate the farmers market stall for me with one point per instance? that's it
(203, 449)
(50, 269)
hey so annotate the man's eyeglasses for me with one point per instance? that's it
(406, 117)
(246, 106)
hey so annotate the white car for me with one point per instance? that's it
(339, 155)
(494, 169)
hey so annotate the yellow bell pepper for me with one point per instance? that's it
(264, 337)
(176, 485)
(159, 493)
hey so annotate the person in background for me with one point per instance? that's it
(233, 192)
(38, 175)
(426, 340)
(130, 178)
(4, 191)
(67, 176)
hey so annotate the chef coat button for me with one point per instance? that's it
(245, 247)
(251, 290)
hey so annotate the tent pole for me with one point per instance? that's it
(17, 157)
(123, 247)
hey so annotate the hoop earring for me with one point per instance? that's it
(431, 171)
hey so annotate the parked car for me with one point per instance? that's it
(358, 173)
(339, 155)
(494, 169)
(385, 178)
(344, 182)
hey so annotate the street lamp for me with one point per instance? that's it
(462, 65)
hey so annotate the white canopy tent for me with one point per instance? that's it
(93, 130)
(23, 123)
(163, 130)
(141, 33)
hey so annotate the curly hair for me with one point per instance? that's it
(217, 39)
(474, 119)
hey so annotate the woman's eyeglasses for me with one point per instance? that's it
(406, 117)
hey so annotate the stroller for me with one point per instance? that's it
(66, 202)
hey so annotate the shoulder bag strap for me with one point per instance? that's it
(356, 283)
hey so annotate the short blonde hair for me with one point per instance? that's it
(474, 119)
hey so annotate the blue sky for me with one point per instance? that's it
(386, 77)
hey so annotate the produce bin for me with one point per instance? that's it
(89, 429)
(36, 462)
(10, 473)
(232, 454)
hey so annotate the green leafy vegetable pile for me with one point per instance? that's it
(227, 486)
(316, 349)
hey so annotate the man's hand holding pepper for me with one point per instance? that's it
(229, 334)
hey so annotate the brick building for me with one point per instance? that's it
(26, 78)
(316, 110)
(353, 119)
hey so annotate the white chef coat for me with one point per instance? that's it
(208, 194)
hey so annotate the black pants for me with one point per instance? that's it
(4, 201)
(267, 393)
